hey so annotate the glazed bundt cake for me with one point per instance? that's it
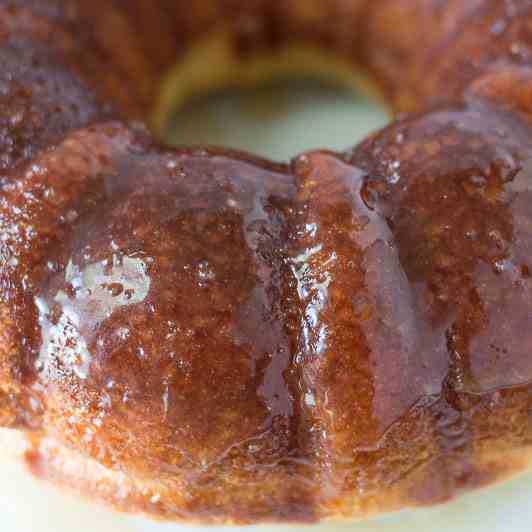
(199, 334)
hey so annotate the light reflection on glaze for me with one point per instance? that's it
(314, 292)
(96, 292)
(367, 354)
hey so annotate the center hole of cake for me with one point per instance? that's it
(279, 119)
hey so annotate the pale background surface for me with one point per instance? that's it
(292, 119)
(279, 120)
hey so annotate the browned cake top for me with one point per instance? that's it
(201, 334)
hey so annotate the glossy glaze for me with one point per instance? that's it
(203, 335)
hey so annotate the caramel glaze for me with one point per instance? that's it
(203, 335)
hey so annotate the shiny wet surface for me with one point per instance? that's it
(256, 341)
(243, 320)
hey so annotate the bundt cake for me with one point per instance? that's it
(202, 335)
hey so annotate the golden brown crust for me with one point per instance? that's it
(201, 335)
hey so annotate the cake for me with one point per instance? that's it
(201, 335)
